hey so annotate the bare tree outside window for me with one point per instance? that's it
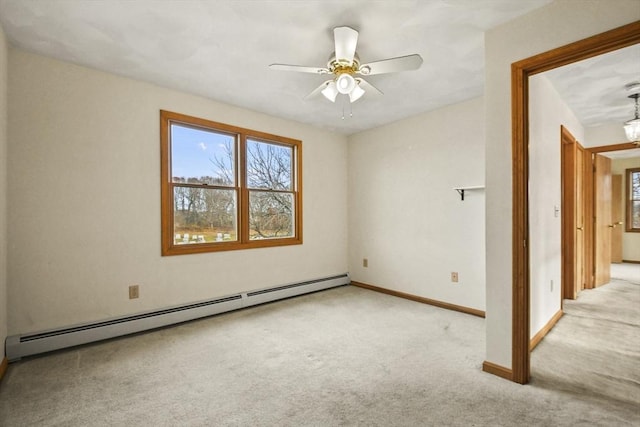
(227, 188)
(269, 169)
(633, 200)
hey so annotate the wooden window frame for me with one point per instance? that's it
(242, 190)
(628, 199)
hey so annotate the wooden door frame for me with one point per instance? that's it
(584, 200)
(520, 71)
(568, 157)
(589, 194)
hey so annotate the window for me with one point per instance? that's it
(632, 185)
(226, 188)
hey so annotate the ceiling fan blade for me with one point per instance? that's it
(391, 65)
(368, 87)
(318, 90)
(346, 39)
(299, 68)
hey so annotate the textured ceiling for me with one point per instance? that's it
(222, 49)
(594, 89)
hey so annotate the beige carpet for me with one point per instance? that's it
(346, 356)
(595, 347)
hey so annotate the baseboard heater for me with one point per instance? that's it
(18, 346)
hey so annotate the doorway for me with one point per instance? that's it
(606, 42)
(593, 186)
(575, 174)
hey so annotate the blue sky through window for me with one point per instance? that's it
(193, 152)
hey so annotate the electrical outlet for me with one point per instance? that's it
(134, 291)
(454, 277)
(551, 285)
(365, 262)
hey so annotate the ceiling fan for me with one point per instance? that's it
(346, 68)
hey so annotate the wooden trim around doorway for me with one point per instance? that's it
(520, 71)
(589, 250)
(615, 147)
(3, 367)
(568, 207)
(498, 370)
(520, 232)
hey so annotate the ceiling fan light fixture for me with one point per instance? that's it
(345, 83)
(632, 127)
(345, 68)
(356, 93)
(331, 91)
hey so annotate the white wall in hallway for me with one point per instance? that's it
(547, 113)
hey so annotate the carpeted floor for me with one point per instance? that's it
(595, 347)
(345, 356)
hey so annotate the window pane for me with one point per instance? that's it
(269, 166)
(204, 215)
(270, 215)
(635, 215)
(635, 185)
(202, 157)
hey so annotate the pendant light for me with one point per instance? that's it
(632, 127)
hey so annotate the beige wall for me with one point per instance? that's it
(547, 112)
(606, 134)
(3, 189)
(84, 200)
(554, 25)
(630, 241)
(404, 215)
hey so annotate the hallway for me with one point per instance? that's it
(594, 349)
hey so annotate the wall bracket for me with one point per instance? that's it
(461, 190)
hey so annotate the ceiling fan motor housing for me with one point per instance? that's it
(338, 67)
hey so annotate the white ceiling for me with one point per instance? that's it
(221, 49)
(594, 89)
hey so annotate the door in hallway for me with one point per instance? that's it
(602, 219)
(617, 213)
(575, 160)
(580, 271)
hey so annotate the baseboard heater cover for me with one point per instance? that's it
(18, 346)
